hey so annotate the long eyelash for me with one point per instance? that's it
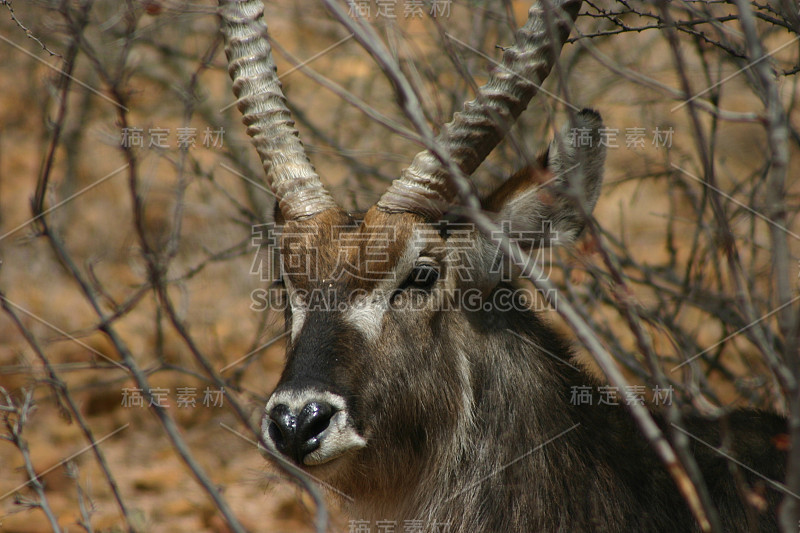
(412, 280)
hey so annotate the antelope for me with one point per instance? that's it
(459, 416)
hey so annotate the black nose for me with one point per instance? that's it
(298, 435)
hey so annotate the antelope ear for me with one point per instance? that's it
(549, 205)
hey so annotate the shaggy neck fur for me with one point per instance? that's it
(515, 455)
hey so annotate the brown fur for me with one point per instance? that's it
(466, 413)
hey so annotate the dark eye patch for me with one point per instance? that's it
(423, 276)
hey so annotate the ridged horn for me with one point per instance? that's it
(424, 187)
(289, 173)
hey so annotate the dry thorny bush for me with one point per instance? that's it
(129, 194)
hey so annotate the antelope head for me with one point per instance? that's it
(392, 316)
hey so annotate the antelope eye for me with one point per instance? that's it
(423, 276)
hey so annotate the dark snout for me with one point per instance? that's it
(309, 427)
(296, 435)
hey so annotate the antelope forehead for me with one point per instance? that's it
(366, 316)
(362, 300)
(366, 312)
